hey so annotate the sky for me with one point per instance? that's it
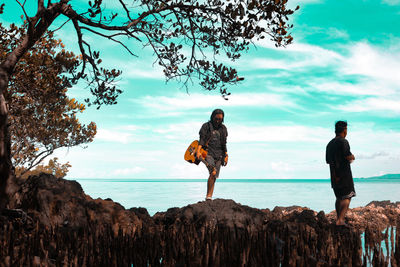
(343, 65)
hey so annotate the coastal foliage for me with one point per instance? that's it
(53, 167)
(42, 118)
(187, 38)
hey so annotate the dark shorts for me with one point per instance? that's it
(213, 164)
(344, 192)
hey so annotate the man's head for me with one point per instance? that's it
(341, 128)
(217, 117)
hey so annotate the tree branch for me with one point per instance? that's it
(126, 10)
(81, 48)
(62, 25)
(23, 10)
(34, 164)
(110, 37)
(40, 5)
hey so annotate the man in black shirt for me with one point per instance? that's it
(213, 136)
(339, 157)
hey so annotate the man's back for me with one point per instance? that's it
(338, 156)
(336, 152)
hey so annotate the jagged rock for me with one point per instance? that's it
(72, 229)
(377, 215)
(58, 202)
(217, 212)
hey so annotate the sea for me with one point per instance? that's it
(158, 195)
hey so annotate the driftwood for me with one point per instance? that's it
(45, 232)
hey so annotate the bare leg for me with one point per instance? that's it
(210, 184)
(343, 208)
(337, 207)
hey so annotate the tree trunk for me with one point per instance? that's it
(6, 169)
(37, 27)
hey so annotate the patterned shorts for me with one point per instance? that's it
(344, 193)
(213, 164)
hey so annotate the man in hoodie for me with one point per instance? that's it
(339, 157)
(213, 136)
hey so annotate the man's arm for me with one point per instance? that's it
(225, 157)
(346, 151)
(328, 154)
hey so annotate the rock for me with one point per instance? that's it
(55, 223)
(15, 213)
(377, 215)
(57, 202)
(18, 218)
(212, 213)
(383, 204)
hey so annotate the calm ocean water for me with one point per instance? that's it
(161, 194)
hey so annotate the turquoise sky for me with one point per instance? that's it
(344, 64)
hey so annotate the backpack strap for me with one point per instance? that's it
(211, 128)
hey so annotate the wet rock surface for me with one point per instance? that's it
(53, 223)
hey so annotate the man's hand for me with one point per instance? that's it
(226, 160)
(198, 153)
(350, 158)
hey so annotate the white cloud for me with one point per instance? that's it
(128, 171)
(206, 101)
(373, 155)
(138, 72)
(382, 144)
(113, 136)
(268, 134)
(187, 171)
(132, 127)
(298, 56)
(336, 33)
(363, 59)
(280, 166)
(265, 63)
(178, 129)
(391, 2)
(133, 67)
(387, 106)
(376, 63)
(368, 88)
(256, 151)
(239, 133)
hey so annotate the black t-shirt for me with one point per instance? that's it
(216, 139)
(336, 152)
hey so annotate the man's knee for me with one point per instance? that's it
(212, 177)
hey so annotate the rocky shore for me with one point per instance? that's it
(54, 223)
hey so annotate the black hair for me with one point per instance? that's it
(340, 126)
(215, 112)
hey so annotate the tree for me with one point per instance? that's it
(42, 117)
(167, 26)
(53, 167)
